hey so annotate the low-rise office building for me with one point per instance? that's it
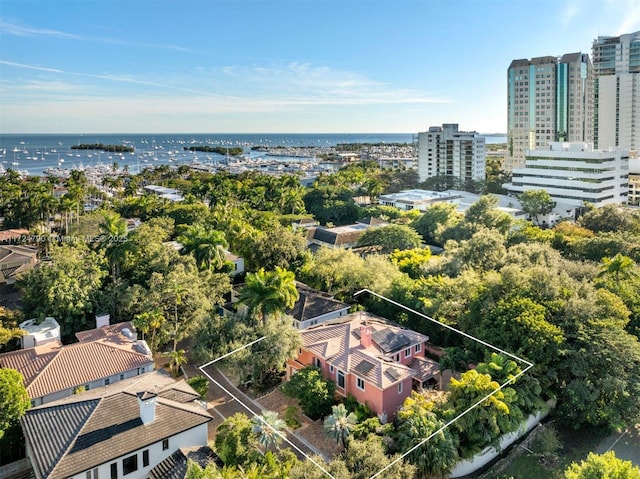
(575, 174)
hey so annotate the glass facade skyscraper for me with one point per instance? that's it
(616, 65)
(549, 99)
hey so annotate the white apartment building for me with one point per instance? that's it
(445, 151)
(616, 65)
(575, 174)
(549, 99)
(634, 181)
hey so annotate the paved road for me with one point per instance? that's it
(225, 400)
(626, 445)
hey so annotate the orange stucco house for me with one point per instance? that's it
(374, 360)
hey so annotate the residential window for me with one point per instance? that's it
(107, 381)
(93, 474)
(397, 357)
(399, 388)
(340, 379)
(145, 458)
(165, 444)
(417, 348)
(407, 352)
(122, 377)
(331, 368)
(114, 470)
(360, 383)
(317, 363)
(129, 464)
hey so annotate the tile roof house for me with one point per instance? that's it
(15, 260)
(13, 235)
(312, 307)
(103, 356)
(116, 431)
(370, 358)
(315, 307)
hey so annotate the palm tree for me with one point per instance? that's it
(176, 359)
(177, 291)
(618, 266)
(267, 429)
(143, 321)
(207, 246)
(339, 424)
(114, 241)
(269, 293)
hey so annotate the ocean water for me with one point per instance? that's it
(35, 153)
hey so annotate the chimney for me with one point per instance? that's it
(365, 336)
(147, 403)
(102, 320)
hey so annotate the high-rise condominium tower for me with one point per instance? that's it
(445, 151)
(616, 66)
(549, 99)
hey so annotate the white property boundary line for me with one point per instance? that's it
(495, 348)
(279, 433)
(528, 364)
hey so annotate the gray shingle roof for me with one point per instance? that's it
(175, 466)
(312, 303)
(66, 439)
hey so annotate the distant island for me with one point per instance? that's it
(100, 146)
(221, 150)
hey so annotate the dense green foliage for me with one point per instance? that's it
(100, 146)
(314, 392)
(565, 298)
(14, 400)
(200, 384)
(220, 150)
(390, 238)
(597, 466)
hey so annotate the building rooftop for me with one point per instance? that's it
(312, 303)
(72, 436)
(53, 367)
(338, 342)
(175, 466)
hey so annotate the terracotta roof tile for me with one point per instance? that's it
(338, 342)
(52, 368)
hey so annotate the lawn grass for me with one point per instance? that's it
(522, 464)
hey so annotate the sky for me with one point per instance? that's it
(279, 66)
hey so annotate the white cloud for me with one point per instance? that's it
(26, 31)
(571, 10)
(624, 16)
(30, 67)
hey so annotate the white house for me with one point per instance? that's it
(113, 434)
(315, 307)
(102, 357)
(423, 199)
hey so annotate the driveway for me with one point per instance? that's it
(225, 400)
(626, 445)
